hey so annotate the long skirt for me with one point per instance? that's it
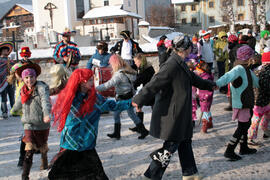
(74, 165)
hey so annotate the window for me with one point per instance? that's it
(129, 4)
(224, 18)
(193, 7)
(194, 20)
(240, 17)
(80, 8)
(211, 19)
(106, 2)
(184, 21)
(240, 2)
(183, 8)
(111, 20)
(211, 4)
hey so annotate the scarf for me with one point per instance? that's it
(25, 94)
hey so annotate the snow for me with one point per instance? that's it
(160, 27)
(109, 11)
(182, 1)
(27, 7)
(143, 23)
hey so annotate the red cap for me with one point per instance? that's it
(25, 52)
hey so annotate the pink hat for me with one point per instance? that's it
(168, 43)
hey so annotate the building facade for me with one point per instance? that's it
(16, 21)
(210, 13)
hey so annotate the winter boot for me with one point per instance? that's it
(44, 161)
(210, 123)
(204, 126)
(244, 149)
(27, 165)
(229, 153)
(141, 129)
(22, 154)
(192, 177)
(116, 133)
(140, 115)
(229, 107)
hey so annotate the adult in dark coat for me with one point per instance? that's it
(251, 39)
(128, 56)
(172, 112)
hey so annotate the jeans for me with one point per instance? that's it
(186, 158)
(10, 92)
(221, 72)
(210, 65)
(131, 114)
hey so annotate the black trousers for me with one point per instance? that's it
(10, 92)
(186, 158)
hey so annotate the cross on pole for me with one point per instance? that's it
(50, 7)
(15, 44)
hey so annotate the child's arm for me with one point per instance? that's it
(17, 106)
(230, 76)
(45, 102)
(111, 83)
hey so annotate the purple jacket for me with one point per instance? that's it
(205, 96)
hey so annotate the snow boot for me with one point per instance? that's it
(244, 149)
(141, 129)
(116, 133)
(140, 115)
(229, 153)
(204, 126)
(210, 123)
(27, 164)
(44, 161)
(229, 107)
(22, 154)
(192, 177)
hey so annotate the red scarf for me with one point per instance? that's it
(25, 94)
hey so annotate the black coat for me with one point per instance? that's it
(252, 42)
(118, 47)
(144, 76)
(171, 116)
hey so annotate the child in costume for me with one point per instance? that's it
(25, 54)
(76, 113)
(242, 82)
(15, 79)
(35, 103)
(261, 110)
(205, 96)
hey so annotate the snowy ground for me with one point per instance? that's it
(127, 159)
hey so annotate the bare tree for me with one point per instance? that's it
(253, 14)
(227, 11)
(161, 16)
(262, 15)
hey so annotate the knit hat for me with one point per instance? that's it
(264, 32)
(244, 53)
(25, 52)
(181, 43)
(232, 38)
(266, 57)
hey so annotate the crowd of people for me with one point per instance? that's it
(74, 101)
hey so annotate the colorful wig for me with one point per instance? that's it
(117, 63)
(64, 101)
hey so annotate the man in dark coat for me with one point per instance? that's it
(172, 112)
(251, 39)
(127, 48)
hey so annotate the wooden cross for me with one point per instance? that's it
(50, 7)
(15, 44)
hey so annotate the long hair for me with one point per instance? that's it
(142, 59)
(64, 101)
(118, 63)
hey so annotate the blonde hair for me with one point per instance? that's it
(59, 75)
(141, 58)
(11, 78)
(118, 63)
